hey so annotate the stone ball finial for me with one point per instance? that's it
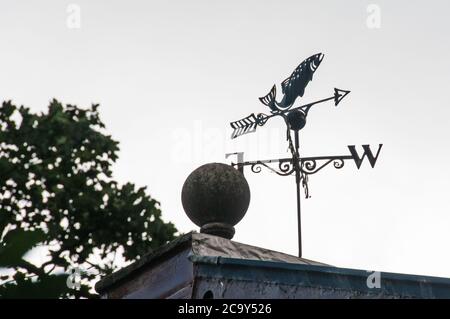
(215, 197)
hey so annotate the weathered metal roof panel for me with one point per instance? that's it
(319, 281)
(200, 245)
(204, 245)
(196, 263)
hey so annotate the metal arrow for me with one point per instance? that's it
(251, 122)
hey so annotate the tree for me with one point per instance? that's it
(57, 191)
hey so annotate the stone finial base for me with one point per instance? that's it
(218, 229)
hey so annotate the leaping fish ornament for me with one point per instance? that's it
(294, 86)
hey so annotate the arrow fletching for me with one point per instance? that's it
(248, 124)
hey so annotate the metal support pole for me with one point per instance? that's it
(297, 181)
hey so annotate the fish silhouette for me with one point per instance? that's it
(294, 86)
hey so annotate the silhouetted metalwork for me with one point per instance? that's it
(310, 165)
(295, 119)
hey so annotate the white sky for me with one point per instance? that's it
(171, 75)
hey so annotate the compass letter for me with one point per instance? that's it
(240, 160)
(367, 152)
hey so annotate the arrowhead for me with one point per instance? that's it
(339, 95)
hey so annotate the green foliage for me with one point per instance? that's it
(15, 244)
(56, 183)
(46, 286)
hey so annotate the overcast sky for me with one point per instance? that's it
(171, 75)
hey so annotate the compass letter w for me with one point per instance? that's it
(367, 152)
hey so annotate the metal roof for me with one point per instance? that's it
(206, 248)
(320, 280)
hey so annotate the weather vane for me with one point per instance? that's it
(295, 119)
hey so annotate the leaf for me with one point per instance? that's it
(7, 108)
(61, 140)
(50, 286)
(17, 243)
